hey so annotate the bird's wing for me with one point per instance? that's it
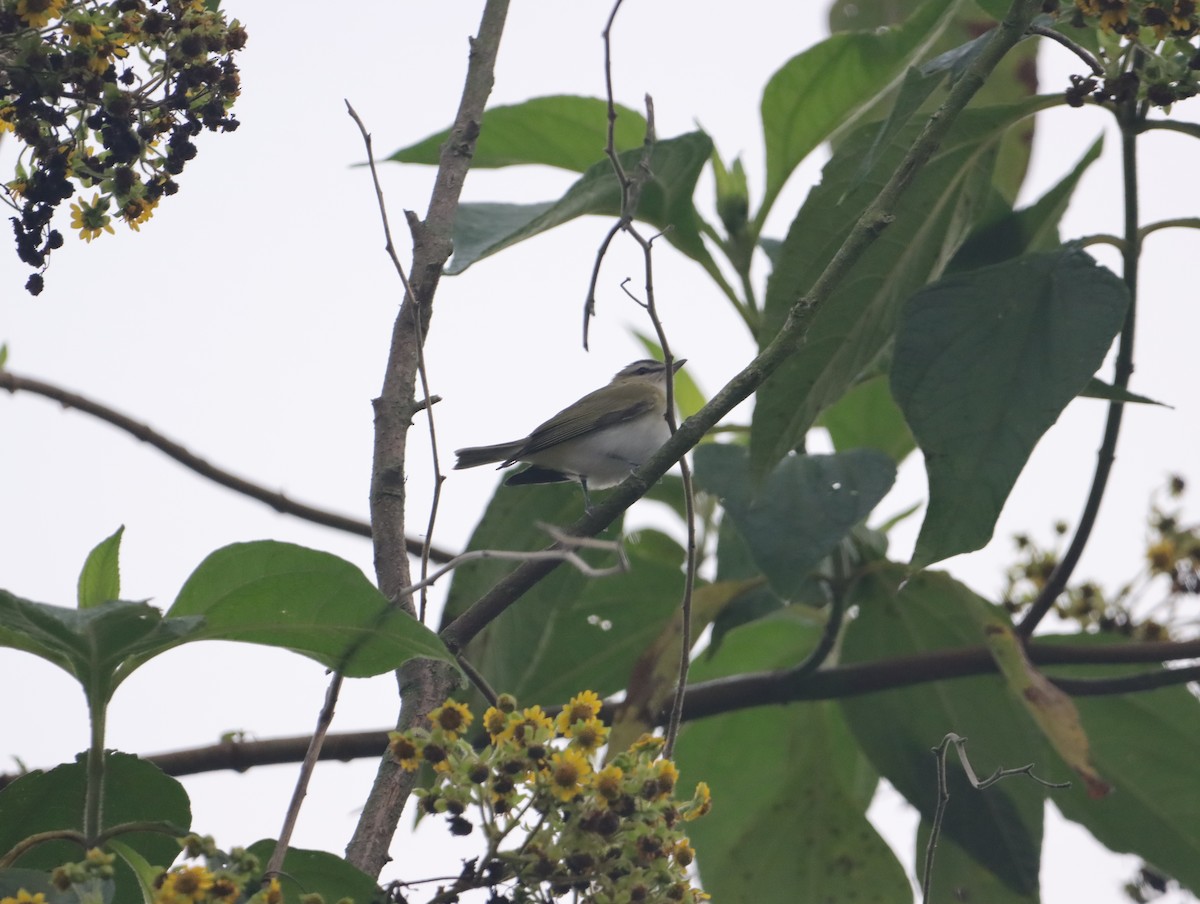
(563, 427)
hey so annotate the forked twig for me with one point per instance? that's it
(631, 190)
(935, 829)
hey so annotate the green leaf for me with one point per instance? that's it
(1001, 827)
(867, 417)
(308, 872)
(307, 601)
(804, 507)
(562, 130)
(135, 790)
(143, 871)
(1145, 744)
(787, 822)
(1033, 228)
(481, 230)
(91, 644)
(827, 86)
(957, 876)
(984, 363)
(100, 579)
(569, 632)
(857, 322)
(1098, 389)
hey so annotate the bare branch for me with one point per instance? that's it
(15, 383)
(424, 684)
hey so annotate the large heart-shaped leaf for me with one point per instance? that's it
(984, 363)
(856, 323)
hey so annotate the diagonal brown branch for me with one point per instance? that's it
(790, 339)
(16, 383)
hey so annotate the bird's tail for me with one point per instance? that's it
(475, 456)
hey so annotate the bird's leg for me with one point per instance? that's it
(587, 500)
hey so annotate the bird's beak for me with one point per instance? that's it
(679, 362)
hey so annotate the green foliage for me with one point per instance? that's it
(790, 792)
(307, 872)
(135, 791)
(563, 131)
(100, 579)
(803, 508)
(1026, 335)
(1000, 828)
(311, 602)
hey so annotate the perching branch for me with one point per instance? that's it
(15, 383)
(790, 338)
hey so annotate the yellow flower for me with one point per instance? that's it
(38, 13)
(24, 897)
(83, 30)
(608, 783)
(582, 707)
(90, 219)
(495, 721)
(1161, 557)
(647, 742)
(568, 771)
(189, 883)
(225, 890)
(666, 775)
(404, 750)
(701, 803)
(452, 717)
(137, 211)
(533, 727)
(588, 735)
(7, 114)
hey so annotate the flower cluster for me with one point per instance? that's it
(1150, 55)
(554, 822)
(107, 94)
(1145, 608)
(224, 878)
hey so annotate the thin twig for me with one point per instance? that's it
(147, 434)
(438, 477)
(477, 679)
(1127, 119)
(1177, 223)
(324, 720)
(943, 798)
(1078, 49)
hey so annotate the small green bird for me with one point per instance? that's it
(598, 440)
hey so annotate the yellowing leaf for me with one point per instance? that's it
(1052, 709)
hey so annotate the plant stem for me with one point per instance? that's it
(93, 799)
(1128, 120)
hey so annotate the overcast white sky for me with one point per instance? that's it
(250, 321)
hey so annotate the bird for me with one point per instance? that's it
(597, 440)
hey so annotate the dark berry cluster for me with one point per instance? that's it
(107, 95)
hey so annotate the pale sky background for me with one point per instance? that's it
(250, 321)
